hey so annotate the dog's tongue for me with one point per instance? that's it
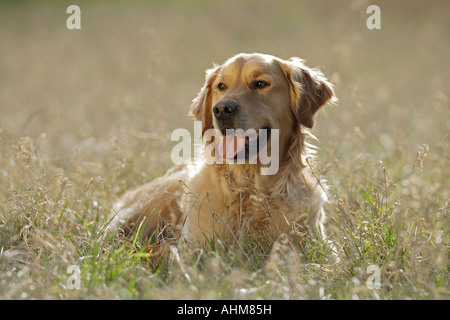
(230, 145)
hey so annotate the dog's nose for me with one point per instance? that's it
(225, 109)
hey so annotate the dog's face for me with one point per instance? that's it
(260, 92)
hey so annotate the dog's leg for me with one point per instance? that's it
(144, 208)
(207, 217)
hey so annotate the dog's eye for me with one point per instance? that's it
(260, 84)
(221, 86)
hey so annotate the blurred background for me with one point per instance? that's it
(126, 79)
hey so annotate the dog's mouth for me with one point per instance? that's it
(235, 144)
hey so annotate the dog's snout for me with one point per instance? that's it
(225, 109)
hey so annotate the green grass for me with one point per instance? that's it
(86, 115)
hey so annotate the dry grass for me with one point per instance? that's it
(87, 114)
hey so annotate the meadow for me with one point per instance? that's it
(87, 114)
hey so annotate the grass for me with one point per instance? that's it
(86, 115)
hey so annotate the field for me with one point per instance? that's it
(87, 114)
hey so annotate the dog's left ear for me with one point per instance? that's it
(310, 90)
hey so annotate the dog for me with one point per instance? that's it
(219, 200)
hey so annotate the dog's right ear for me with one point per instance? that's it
(201, 108)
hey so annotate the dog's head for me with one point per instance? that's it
(261, 92)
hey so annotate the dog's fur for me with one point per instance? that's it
(229, 201)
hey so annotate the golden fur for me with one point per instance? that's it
(230, 201)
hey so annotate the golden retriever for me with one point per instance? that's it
(229, 201)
